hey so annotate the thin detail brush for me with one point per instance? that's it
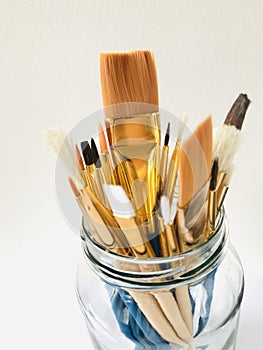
(89, 168)
(81, 166)
(85, 212)
(87, 156)
(173, 166)
(99, 177)
(164, 160)
(212, 199)
(106, 158)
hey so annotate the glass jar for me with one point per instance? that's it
(187, 301)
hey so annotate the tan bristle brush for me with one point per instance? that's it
(195, 161)
(129, 77)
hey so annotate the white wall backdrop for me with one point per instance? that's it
(206, 53)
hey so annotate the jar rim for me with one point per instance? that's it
(161, 259)
(140, 273)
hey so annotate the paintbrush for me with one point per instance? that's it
(88, 172)
(87, 156)
(63, 147)
(195, 161)
(105, 223)
(130, 99)
(164, 160)
(173, 166)
(99, 177)
(106, 157)
(167, 238)
(124, 215)
(84, 173)
(226, 143)
(212, 199)
(95, 224)
(168, 201)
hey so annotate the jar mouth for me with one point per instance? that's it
(130, 271)
(157, 260)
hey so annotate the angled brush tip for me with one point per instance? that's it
(238, 111)
(86, 151)
(195, 161)
(167, 135)
(73, 187)
(79, 158)
(214, 173)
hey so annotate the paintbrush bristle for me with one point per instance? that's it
(238, 111)
(195, 161)
(214, 173)
(64, 148)
(129, 77)
(79, 158)
(102, 139)
(227, 141)
(228, 137)
(86, 152)
(167, 135)
(108, 131)
(73, 187)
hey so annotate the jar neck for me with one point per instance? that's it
(158, 273)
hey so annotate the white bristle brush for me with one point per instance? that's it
(63, 147)
(228, 137)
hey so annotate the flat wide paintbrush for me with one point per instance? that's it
(195, 161)
(130, 99)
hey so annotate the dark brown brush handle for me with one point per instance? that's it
(237, 113)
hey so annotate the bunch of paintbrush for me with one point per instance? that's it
(128, 199)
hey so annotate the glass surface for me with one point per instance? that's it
(114, 295)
